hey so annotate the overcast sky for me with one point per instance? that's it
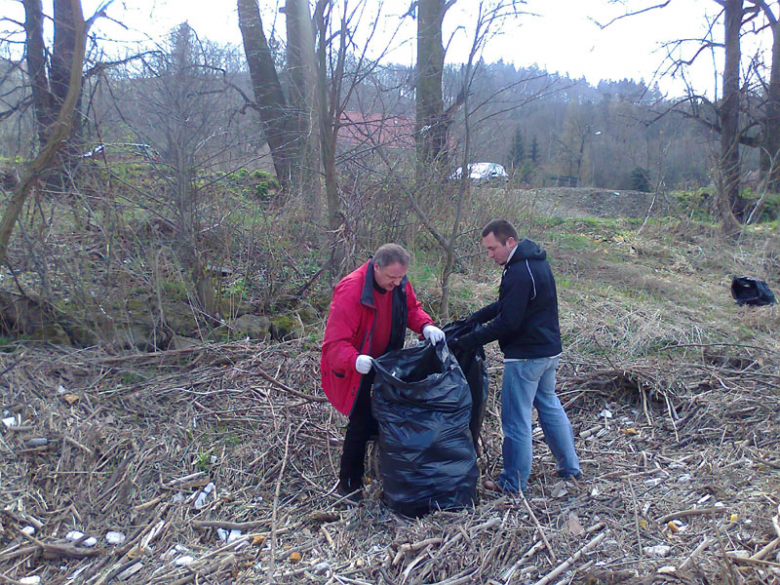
(558, 35)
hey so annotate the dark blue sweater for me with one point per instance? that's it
(524, 320)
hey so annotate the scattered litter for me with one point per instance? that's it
(684, 478)
(234, 535)
(667, 570)
(75, 535)
(176, 549)
(322, 567)
(201, 500)
(659, 550)
(36, 442)
(573, 525)
(10, 421)
(704, 499)
(184, 561)
(62, 390)
(28, 530)
(178, 498)
(114, 537)
(654, 481)
(559, 490)
(740, 554)
(605, 414)
(31, 580)
(676, 526)
(229, 535)
(136, 551)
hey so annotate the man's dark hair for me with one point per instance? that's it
(502, 229)
(388, 254)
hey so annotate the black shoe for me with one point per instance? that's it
(345, 490)
(570, 476)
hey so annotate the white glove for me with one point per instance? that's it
(433, 333)
(363, 364)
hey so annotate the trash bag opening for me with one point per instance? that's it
(416, 366)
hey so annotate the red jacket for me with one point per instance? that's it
(348, 333)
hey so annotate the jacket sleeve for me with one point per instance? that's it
(416, 318)
(342, 326)
(486, 313)
(510, 311)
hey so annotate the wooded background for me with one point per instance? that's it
(212, 158)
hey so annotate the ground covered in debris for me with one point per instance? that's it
(217, 464)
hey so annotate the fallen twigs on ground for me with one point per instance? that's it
(218, 463)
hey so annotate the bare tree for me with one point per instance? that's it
(770, 127)
(342, 68)
(279, 123)
(724, 115)
(302, 68)
(431, 127)
(55, 134)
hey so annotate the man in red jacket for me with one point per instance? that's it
(369, 314)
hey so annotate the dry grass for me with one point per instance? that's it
(146, 433)
(673, 393)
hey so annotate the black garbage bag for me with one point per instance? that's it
(474, 367)
(750, 291)
(422, 402)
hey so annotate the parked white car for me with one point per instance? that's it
(483, 172)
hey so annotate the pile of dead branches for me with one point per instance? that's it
(218, 464)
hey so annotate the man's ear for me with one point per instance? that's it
(511, 242)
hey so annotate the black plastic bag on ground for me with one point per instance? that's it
(422, 403)
(750, 291)
(474, 367)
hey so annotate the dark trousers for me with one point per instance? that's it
(362, 426)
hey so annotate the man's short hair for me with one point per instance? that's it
(502, 229)
(388, 254)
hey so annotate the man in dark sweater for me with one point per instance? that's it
(524, 320)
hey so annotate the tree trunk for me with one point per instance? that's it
(302, 68)
(278, 123)
(770, 151)
(49, 88)
(728, 196)
(329, 127)
(43, 99)
(56, 134)
(431, 129)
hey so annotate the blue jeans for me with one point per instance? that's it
(531, 383)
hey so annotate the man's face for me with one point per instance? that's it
(390, 276)
(497, 251)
